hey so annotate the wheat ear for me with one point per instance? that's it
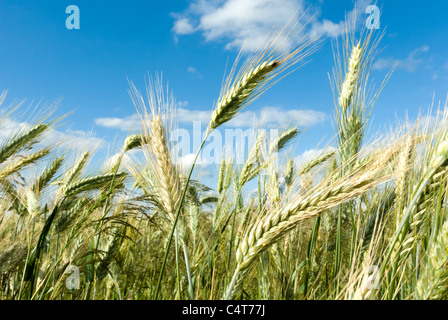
(88, 184)
(21, 141)
(289, 174)
(283, 139)
(433, 280)
(352, 76)
(168, 181)
(240, 93)
(251, 167)
(287, 216)
(407, 234)
(315, 162)
(47, 175)
(13, 167)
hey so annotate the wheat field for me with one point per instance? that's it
(365, 220)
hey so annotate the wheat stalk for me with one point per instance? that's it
(433, 280)
(407, 234)
(289, 215)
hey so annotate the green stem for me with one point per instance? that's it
(337, 262)
(405, 220)
(187, 265)
(176, 218)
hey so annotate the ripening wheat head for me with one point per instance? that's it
(157, 120)
(261, 69)
(291, 212)
(349, 86)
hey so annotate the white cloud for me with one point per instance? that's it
(335, 29)
(248, 22)
(188, 116)
(237, 21)
(183, 26)
(9, 127)
(181, 104)
(123, 124)
(411, 63)
(327, 27)
(268, 117)
(127, 160)
(194, 71)
(186, 161)
(203, 168)
(77, 139)
(191, 70)
(277, 117)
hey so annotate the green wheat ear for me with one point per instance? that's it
(92, 183)
(134, 141)
(45, 178)
(21, 141)
(240, 94)
(283, 139)
(433, 281)
(315, 162)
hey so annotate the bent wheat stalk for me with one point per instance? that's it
(286, 217)
(403, 240)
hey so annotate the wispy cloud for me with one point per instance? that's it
(238, 22)
(278, 117)
(335, 29)
(183, 26)
(78, 139)
(269, 117)
(192, 70)
(124, 124)
(411, 63)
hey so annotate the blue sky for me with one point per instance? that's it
(191, 42)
